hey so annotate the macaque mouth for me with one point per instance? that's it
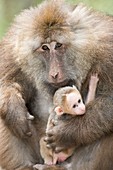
(67, 82)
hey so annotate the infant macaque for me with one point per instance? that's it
(69, 100)
(66, 100)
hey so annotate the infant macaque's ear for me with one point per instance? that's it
(75, 87)
(59, 111)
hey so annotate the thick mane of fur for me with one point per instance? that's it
(51, 14)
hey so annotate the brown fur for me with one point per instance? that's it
(30, 76)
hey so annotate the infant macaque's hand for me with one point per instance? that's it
(93, 80)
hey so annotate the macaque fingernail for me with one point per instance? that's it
(45, 139)
(58, 149)
(48, 146)
(30, 117)
(53, 122)
(29, 134)
(49, 134)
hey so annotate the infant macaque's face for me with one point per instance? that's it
(75, 103)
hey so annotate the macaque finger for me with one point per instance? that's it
(29, 134)
(49, 139)
(38, 167)
(59, 149)
(47, 167)
(30, 117)
(54, 122)
(51, 146)
(48, 136)
(49, 133)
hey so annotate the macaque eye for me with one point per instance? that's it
(79, 101)
(74, 105)
(58, 45)
(45, 47)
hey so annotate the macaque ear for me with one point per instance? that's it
(59, 111)
(74, 87)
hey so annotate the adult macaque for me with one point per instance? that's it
(48, 47)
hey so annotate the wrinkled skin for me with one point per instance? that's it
(47, 47)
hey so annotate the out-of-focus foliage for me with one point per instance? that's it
(10, 8)
(102, 5)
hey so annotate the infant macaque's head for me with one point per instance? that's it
(68, 100)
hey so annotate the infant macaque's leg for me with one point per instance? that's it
(46, 153)
(92, 87)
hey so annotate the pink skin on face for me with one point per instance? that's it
(75, 103)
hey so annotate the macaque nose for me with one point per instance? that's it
(55, 76)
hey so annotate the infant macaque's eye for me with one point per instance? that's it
(74, 105)
(79, 101)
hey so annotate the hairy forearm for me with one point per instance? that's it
(9, 98)
(13, 109)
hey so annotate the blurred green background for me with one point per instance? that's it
(10, 8)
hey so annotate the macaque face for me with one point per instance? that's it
(75, 103)
(52, 56)
(50, 43)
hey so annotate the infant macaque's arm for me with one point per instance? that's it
(92, 88)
